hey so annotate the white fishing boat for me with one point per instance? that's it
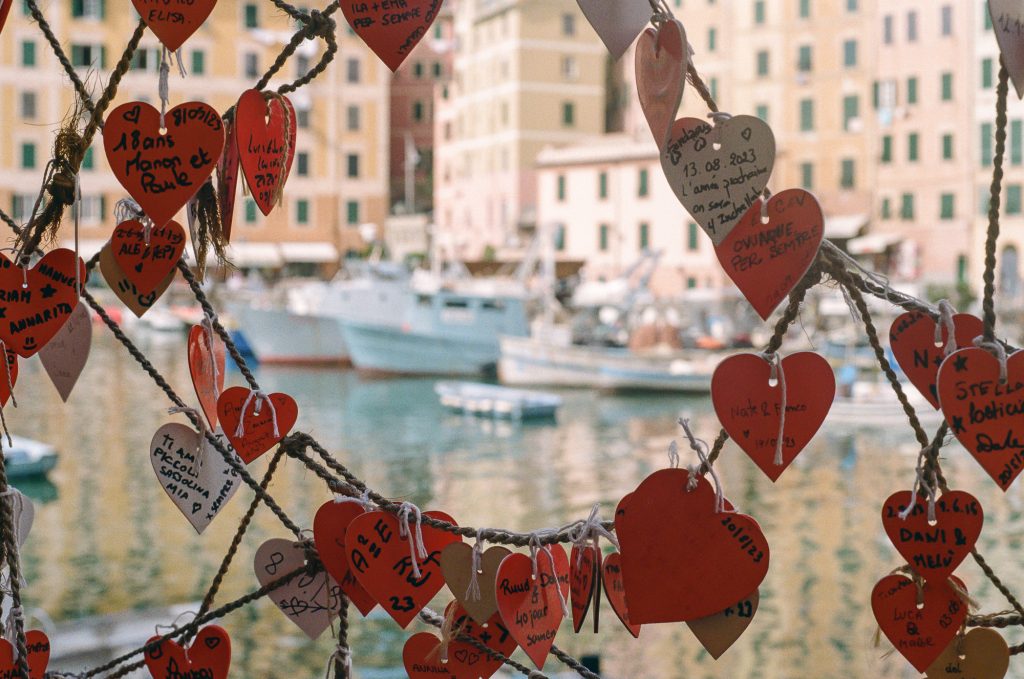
(28, 458)
(489, 400)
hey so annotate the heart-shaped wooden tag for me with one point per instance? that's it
(147, 265)
(615, 590)
(979, 654)
(457, 569)
(310, 601)
(23, 513)
(65, 355)
(192, 472)
(716, 633)
(1008, 24)
(329, 527)
(38, 646)
(660, 65)
(724, 551)
(933, 551)
(174, 22)
(919, 633)
(5, 10)
(37, 302)
(206, 363)
(390, 30)
(265, 156)
(617, 23)
(421, 656)
(382, 562)
(532, 608)
(912, 340)
(227, 179)
(209, 656)
(584, 584)
(139, 302)
(749, 406)
(766, 259)
(162, 171)
(983, 414)
(262, 424)
(718, 172)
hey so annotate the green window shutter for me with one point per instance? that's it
(807, 176)
(947, 87)
(761, 111)
(848, 174)
(986, 71)
(103, 208)
(805, 59)
(103, 57)
(806, 115)
(77, 8)
(946, 206)
(912, 144)
(28, 53)
(602, 185)
(961, 269)
(805, 8)
(947, 147)
(88, 162)
(645, 235)
(560, 237)
(886, 210)
(759, 12)
(302, 211)
(28, 156)
(986, 144)
(911, 90)
(561, 187)
(850, 53)
(887, 148)
(198, 62)
(1013, 199)
(691, 236)
(602, 237)
(762, 62)
(1016, 151)
(568, 114)
(907, 206)
(876, 94)
(250, 210)
(851, 109)
(643, 188)
(352, 212)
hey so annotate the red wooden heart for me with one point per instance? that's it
(263, 154)
(532, 609)
(175, 23)
(912, 340)
(35, 304)
(665, 530)
(748, 405)
(919, 634)
(466, 661)
(382, 562)
(660, 65)
(209, 656)
(933, 551)
(8, 377)
(983, 414)
(391, 29)
(5, 10)
(258, 430)
(615, 590)
(766, 260)
(329, 526)
(146, 266)
(227, 179)
(584, 574)
(421, 656)
(206, 363)
(162, 171)
(38, 646)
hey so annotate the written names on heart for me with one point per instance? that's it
(146, 260)
(531, 607)
(912, 340)
(919, 631)
(933, 549)
(37, 302)
(173, 21)
(391, 28)
(265, 154)
(38, 646)
(310, 600)
(209, 656)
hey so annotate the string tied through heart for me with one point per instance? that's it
(163, 85)
(778, 377)
(126, 209)
(199, 420)
(473, 589)
(592, 528)
(946, 323)
(363, 499)
(261, 397)
(700, 447)
(208, 335)
(998, 350)
(343, 654)
(417, 550)
(535, 549)
(447, 633)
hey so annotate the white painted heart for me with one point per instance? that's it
(617, 22)
(310, 601)
(65, 355)
(192, 472)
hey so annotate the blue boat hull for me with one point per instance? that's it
(393, 351)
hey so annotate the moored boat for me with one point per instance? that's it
(490, 400)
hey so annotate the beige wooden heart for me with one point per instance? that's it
(65, 355)
(124, 289)
(660, 66)
(457, 568)
(1007, 18)
(718, 632)
(718, 171)
(981, 654)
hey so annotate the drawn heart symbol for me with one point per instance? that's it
(584, 577)
(716, 633)
(329, 527)
(421, 656)
(1007, 17)
(206, 363)
(718, 172)
(660, 65)
(192, 472)
(615, 590)
(616, 23)
(912, 340)
(390, 32)
(310, 601)
(138, 302)
(174, 26)
(532, 608)
(263, 424)
(749, 405)
(767, 259)
(382, 559)
(984, 415)
(457, 569)
(227, 179)
(468, 662)
(980, 654)
(162, 171)
(65, 355)
(933, 550)
(147, 265)
(36, 303)
(919, 633)
(265, 157)
(38, 645)
(209, 656)
(726, 552)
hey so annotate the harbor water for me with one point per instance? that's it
(106, 538)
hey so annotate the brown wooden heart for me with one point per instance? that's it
(457, 568)
(130, 296)
(980, 654)
(716, 633)
(65, 355)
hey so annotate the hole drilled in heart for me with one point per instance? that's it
(162, 131)
(773, 382)
(933, 522)
(716, 146)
